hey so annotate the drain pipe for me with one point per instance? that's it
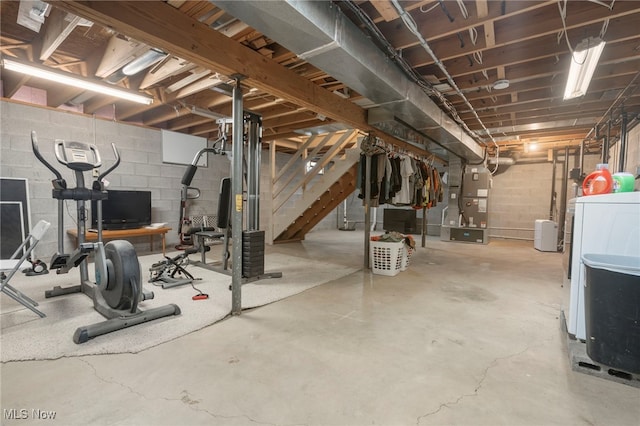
(563, 200)
(581, 165)
(623, 142)
(605, 143)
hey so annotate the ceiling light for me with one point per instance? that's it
(69, 79)
(583, 64)
(500, 84)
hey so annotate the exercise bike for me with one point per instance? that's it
(118, 287)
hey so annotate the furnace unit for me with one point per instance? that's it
(468, 207)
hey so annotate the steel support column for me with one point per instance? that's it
(237, 201)
(367, 212)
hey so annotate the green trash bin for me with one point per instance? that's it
(612, 310)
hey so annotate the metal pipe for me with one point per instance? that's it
(367, 212)
(236, 189)
(563, 196)
(615, 102)
(623, 143)
(553, 185)
(511, 229)
(407, 19)
(605, 144)
(510, 238)
(581, 164)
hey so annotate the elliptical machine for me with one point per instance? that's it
(118, 287)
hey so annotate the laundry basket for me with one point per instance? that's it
(386, 257)
(407, 251)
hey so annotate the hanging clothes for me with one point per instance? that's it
(404, 196)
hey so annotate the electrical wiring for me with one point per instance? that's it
(412, 26)
(563, 17)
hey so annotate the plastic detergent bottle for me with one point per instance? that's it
(598, 182)
(623, 182)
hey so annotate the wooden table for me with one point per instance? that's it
(123, 234)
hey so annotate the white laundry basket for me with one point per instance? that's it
(407, 251)
(386, 257)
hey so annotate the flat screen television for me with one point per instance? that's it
(123, 210)
(400, 220)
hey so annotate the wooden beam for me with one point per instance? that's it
(56, 30)
(482, 8)
(169, 67)
(385, 9)
(119, 53)
(197, 43)
(489, 35)
(12, 82)
(187, 38)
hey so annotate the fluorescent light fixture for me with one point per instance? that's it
(583, 64)
(73, 80)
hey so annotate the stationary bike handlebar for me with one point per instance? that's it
(116, 164)
(59, 155)
(36, 151)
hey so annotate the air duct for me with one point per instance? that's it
(318, 32)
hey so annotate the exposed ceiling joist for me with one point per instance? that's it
(196, 42)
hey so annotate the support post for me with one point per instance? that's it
(605, 144)
(623, 142)
(563, 196)
(237, 201)
(367, 212)
(424, 227)
(552, 204)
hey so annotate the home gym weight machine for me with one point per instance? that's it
(247, 258)
(118, 287)
(253, 244)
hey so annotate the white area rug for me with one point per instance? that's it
(27, 337)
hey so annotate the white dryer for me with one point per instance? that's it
(604, 224)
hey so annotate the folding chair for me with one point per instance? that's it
(12, 265)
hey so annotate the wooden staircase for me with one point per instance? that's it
(301, 201)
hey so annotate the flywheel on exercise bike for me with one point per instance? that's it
(123, 285)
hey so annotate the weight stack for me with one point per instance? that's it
(252, 253)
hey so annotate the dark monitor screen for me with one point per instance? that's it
(400, 220)
(123, 210)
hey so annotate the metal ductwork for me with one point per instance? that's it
(318, 32)
(501, 164)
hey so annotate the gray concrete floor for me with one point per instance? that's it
(468, 335)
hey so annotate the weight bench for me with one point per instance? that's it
(14, 263)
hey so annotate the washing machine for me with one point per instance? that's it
(603, 224)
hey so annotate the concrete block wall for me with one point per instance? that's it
(522, 194)
(141, 168)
